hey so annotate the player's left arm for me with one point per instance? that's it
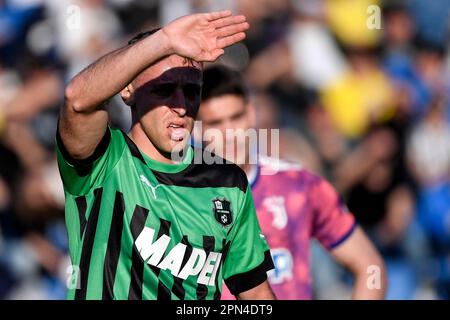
(260, 292)
(361, 258)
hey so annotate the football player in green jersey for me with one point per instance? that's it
(142, 224)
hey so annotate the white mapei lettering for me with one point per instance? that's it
(174, 259)
(206, 267)
(194, 264)
(206, 275)
(153, 251)
(216, 267)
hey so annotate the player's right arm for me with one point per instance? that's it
(201, 37)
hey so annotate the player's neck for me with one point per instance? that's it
(246, 167)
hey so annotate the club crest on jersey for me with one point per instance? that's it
(222, 211)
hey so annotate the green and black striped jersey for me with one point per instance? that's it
(141, 229)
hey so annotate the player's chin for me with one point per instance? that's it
(177, 146)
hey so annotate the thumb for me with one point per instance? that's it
(216, 54)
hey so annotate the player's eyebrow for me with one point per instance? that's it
(237, 115)
(233, 116)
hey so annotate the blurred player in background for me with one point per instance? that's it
(293, 205)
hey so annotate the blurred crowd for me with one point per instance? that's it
(361, 96)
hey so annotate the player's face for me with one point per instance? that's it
(166, 101)
(222, 113)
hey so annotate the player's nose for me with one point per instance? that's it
(179, 103)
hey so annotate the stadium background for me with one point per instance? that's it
(365, 107)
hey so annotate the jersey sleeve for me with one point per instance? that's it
(81, 176)
(248, 258)
(332, 222)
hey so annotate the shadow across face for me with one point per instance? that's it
(177, 89)
(164, 107)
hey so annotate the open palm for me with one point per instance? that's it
(202, 37)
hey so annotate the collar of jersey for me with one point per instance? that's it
(173, 167)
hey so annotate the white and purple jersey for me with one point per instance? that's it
(293, 207)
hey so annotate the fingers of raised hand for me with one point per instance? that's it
(223, 22)
(230, 40)
(232, 29)
(217, 15)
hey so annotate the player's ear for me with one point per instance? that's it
(127, 95)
